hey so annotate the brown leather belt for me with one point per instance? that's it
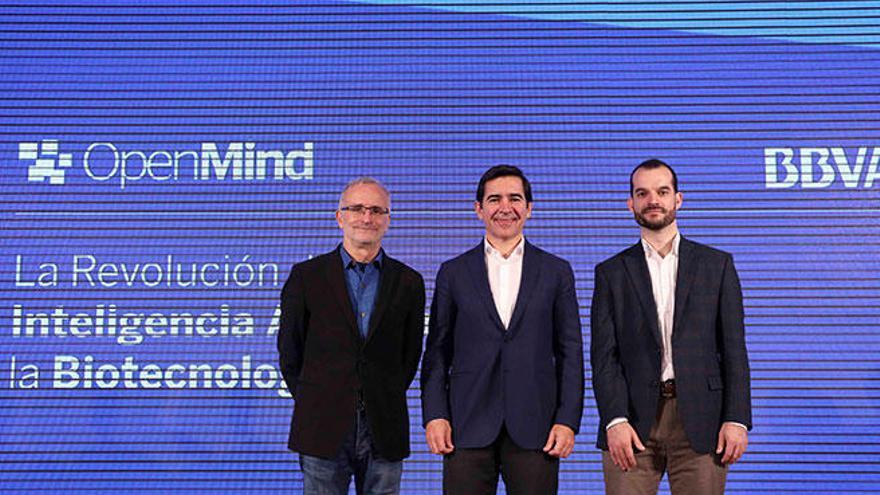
(667, 389)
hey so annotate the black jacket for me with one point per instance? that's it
(327, 364)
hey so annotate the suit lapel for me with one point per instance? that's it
(476, 261)
(640, 278)
(528, 281)
(336, 280)
(687, 263)
(388, 278)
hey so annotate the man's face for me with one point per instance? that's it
(654, 201)
(363, 229)
(504, 209)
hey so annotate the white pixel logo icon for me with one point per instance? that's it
(47, 162)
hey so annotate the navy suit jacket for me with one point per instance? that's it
(479, 376)
(708, 344)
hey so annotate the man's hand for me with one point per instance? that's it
(438, 433)
(560, 442)
(621, 438)
(732, 440)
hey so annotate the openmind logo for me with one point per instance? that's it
(107, 162)
(44, 161)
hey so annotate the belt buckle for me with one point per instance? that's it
(667, 389)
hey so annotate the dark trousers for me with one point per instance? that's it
(475, 471)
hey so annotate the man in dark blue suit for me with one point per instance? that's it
(668, 353)
(502, 376)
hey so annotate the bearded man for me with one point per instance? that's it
(670, 369)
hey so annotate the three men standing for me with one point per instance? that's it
(502, 377)
(349, 340)
(668, 354)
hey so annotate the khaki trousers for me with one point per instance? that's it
(667, 450)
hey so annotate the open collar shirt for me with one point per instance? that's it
(362, 282)
(664, 272)
(504, 277)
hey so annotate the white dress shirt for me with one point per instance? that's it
(504, 277)
(664, 272)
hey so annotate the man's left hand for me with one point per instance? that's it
(560, 442)
(732, 441)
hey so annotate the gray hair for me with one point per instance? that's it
(361, 181)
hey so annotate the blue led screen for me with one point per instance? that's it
(163, 166)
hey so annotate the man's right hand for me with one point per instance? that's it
(621, 438)
(438, 432)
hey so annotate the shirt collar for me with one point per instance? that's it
(651, 252)
(515, 254)
(349, 262)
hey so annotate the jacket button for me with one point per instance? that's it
(655, 384)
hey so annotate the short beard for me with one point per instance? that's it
(668, 218)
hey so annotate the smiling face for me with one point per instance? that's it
(654, 201)
(365, 229)
(503, 209)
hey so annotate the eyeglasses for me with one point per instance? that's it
(361, 210)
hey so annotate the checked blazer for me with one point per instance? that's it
(708, 344)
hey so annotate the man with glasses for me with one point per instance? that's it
(502, 379)
(349, 340)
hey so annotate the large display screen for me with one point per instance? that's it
(164, 165)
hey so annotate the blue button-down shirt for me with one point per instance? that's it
(362, 280)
